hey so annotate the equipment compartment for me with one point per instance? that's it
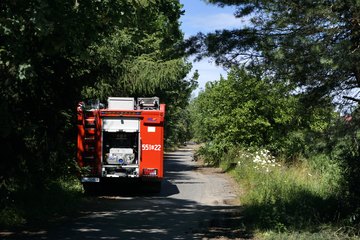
(120, 154)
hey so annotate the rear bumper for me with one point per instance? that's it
(90, 179)
(141, 179)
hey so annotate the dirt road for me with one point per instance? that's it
(195, 203)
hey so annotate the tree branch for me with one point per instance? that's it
(352, 99)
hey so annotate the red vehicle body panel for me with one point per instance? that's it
(150, 135)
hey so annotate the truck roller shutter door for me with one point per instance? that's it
(121, 125)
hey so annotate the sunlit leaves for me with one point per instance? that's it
(248, 110)
(242, 109)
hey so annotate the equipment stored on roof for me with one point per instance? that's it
(123, 140)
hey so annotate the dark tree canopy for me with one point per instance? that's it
(314, 44)
(55, 53)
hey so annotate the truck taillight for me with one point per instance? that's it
(151, 172)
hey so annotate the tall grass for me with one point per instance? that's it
(26, 206)
(282, 200)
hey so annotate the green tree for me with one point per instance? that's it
(44, 63)
(142, 57)
(249, 111)
(314, 44)
(55, 53)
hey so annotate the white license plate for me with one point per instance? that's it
(90, 179)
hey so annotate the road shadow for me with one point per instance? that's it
(150, 218)
(129, 212)
(178, 164)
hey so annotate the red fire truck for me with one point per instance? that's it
(122, 140)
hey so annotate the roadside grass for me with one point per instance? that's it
(282, 201)
(329, 234)
(60, 198)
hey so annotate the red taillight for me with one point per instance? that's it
(151, 172)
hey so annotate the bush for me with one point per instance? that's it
(281, 197)
(212, 153)
(40, 205)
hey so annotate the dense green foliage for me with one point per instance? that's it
(55, 53)
(250, 111)
(41, 205)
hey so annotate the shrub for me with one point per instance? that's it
(284, 197)
(40, 205)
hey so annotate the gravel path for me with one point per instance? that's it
(195, 203)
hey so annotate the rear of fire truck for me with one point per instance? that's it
(123, 140)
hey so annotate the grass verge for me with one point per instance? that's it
(60, 198)
(298, 201)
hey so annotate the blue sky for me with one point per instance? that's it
(202, 17)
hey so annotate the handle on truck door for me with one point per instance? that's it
(140, 150)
